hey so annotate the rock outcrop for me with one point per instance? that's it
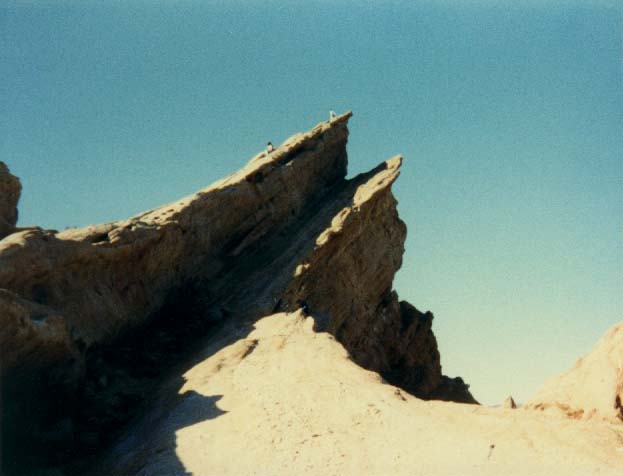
(593, 387)
(10, 189)
(509, 403)
(88, 317)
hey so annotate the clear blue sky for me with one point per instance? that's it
(509, 115)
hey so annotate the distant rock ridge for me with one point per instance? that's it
(87, 316)
(593, 387)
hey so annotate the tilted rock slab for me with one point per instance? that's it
(287, 231)
(593, 387)
(107, 278)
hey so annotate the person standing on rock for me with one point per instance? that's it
(269, 148)
(332, 116)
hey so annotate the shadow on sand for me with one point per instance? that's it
(148, 449)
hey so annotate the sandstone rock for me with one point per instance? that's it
(509, 403)
(452, 390)
(346, 280)
(593, 387)
(10, 188)
(125, 299)
(108, 297)
(105, 279)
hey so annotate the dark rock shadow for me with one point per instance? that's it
(149, 435)
(148, 449)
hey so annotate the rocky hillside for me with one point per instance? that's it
(93, 319)
(593, 387)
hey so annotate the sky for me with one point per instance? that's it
(509, 116)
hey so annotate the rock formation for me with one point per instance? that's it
(10, 189)
(509, 403)
(593, 387)
(90, 317)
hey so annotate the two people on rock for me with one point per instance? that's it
(271, 148)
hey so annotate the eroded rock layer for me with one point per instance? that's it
(91, 315)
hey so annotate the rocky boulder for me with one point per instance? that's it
(509, 403)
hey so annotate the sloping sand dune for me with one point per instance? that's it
(287, 400)
(593, 387)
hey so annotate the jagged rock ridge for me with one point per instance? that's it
(286, 231)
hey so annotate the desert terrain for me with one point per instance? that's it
(253, 328)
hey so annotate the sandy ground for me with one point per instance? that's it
(592, 386)
(285, 400)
